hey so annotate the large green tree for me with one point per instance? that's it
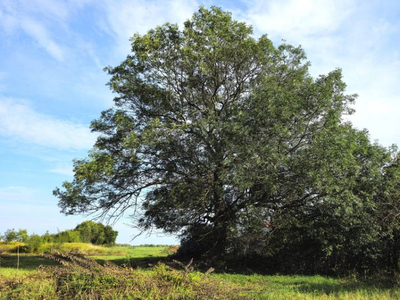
(214, 131)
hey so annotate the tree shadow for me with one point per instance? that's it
(137, 262)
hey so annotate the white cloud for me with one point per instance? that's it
(295, 20)
(380, 117)
(317, 26)
(19, 121)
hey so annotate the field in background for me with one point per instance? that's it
(161, 280)
(131, 256)
(89, 249)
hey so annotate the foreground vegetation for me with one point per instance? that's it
(146, 273)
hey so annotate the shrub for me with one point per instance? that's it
(35, 243)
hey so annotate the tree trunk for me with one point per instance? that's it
(220, 241)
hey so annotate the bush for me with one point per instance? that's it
(35, 243)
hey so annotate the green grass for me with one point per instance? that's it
(146, 278)
(13, 272)
(137, 256)
(309, 287)
(134, 257)
(86, 249)
(26, 261)
(137, 251)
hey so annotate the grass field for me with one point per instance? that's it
(137, 280)
(309, 287)
(137, 256)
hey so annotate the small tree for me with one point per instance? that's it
(10, 235)
(23, 235)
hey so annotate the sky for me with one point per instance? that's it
(52, 83)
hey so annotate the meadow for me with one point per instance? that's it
(84, 271)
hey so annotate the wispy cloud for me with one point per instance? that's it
(42, 36)
(19, 121)
(30, 17)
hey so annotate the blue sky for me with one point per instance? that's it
(52, 84)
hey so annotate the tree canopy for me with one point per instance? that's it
(215, 131)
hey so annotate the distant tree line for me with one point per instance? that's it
(86, 232)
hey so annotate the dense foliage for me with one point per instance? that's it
(215, 133)
(96, 233)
